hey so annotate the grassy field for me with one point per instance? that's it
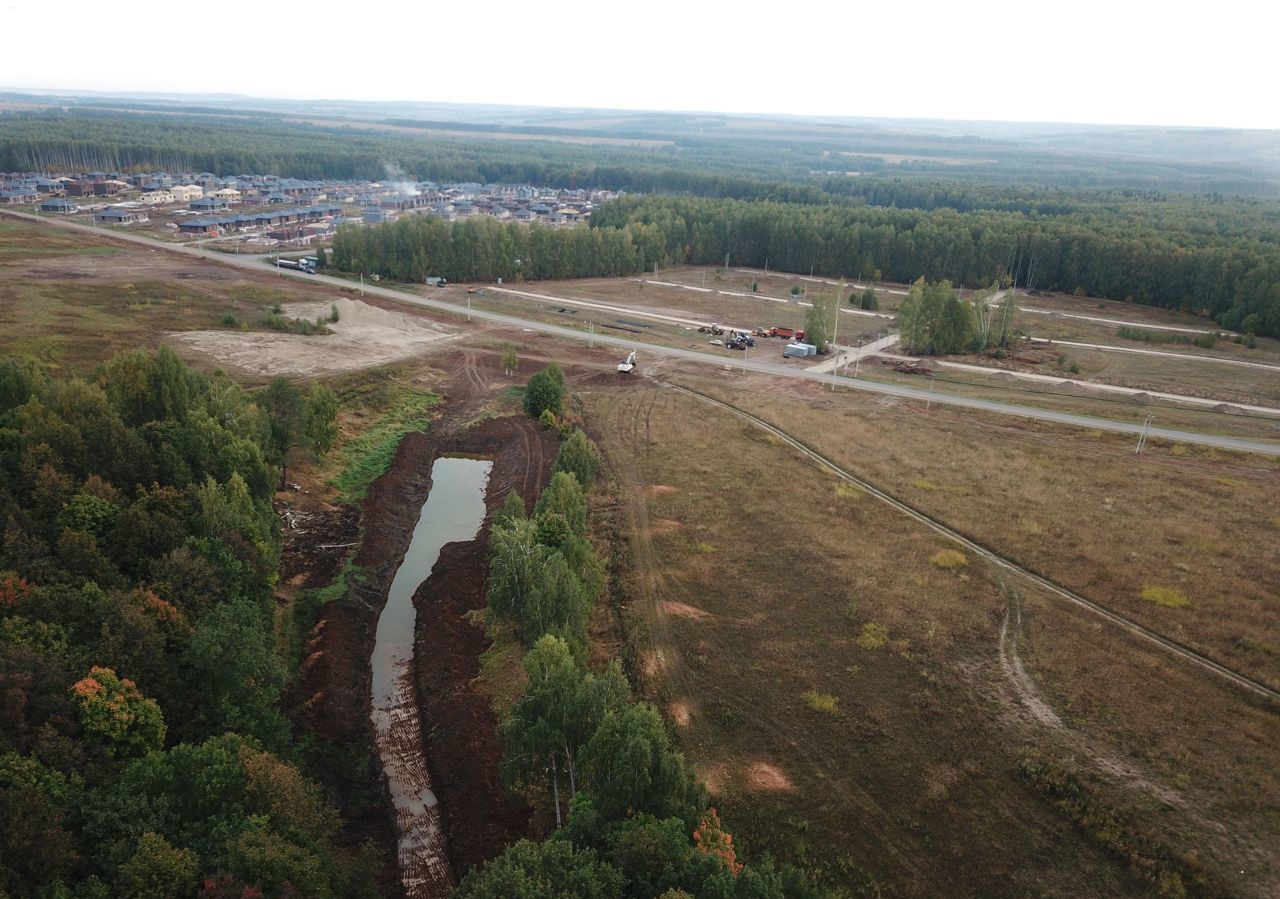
(837, 674)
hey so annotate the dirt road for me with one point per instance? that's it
(905, 392)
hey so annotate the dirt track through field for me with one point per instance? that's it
(1108, 615)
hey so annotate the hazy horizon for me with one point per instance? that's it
(997, 61)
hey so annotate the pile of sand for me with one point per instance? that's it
(364, 336)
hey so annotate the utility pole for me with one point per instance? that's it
(929, 402)
(1142, 438)
(835, 329)
(857, 359)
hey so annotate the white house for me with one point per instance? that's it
(229, 195)
(185, 193)
(158, 198)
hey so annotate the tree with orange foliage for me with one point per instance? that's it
(710, 838)
(115, 714)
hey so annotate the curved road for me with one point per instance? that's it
(253, 263)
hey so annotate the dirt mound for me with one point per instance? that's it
(679, 711)
(763, 776)
(661, 527)
(680, 610)
(363, 336)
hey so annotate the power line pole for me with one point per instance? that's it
(1142, 438)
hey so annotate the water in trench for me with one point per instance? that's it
(454, 511)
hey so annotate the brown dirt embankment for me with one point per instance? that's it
(332, 692)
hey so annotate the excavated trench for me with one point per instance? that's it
(453, 512)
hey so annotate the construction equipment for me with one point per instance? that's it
(711, 329)
(628, 364)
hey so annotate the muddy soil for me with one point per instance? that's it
(332, 695)
(463, 752)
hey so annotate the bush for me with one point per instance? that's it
(820, 702)
(873, 636)
(1168, 597)
(545, 392)
(578, 457)
(949, 559)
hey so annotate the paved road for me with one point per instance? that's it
(749, 364)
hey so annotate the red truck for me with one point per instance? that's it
(787, 333)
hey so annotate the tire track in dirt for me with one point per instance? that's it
(1132, 627)
(667, 675)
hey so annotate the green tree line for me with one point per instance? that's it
(1234, 282)
(142, 749)
(484, 249)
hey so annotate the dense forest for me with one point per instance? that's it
(142, 749)
(1211, 271)
(1194, 235)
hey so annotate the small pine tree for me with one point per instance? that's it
(545, 392)
(578, 457)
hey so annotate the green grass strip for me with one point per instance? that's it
(368, 455)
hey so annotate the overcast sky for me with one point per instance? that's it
(1121, 61)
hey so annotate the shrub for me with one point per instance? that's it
(1168, 597)
(545, 392)
(949, 559)
(230, 320)
(873, 636)
(578, 457)
(820, 702)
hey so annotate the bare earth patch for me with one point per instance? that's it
(681, 610)
(660, 490)
(679, 712)
(364, 336)
(661, 527)
(763, 776)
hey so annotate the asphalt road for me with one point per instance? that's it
(737, 361)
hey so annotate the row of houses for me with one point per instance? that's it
(451, 211)
(290, 219)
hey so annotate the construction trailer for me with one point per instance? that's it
(800, 350)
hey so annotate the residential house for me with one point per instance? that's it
(115, 216)
(59, 206)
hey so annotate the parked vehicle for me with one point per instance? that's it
(736, 345)
(627, 365)
(800, 350)
(437, 282)
(711, 329)
(305, 264)
(715, 341)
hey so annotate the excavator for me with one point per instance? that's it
(627, 364)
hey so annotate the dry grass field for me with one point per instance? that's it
(1078, 507)
(838, 673)
(69, 301)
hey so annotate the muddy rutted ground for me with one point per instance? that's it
(364, 336)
